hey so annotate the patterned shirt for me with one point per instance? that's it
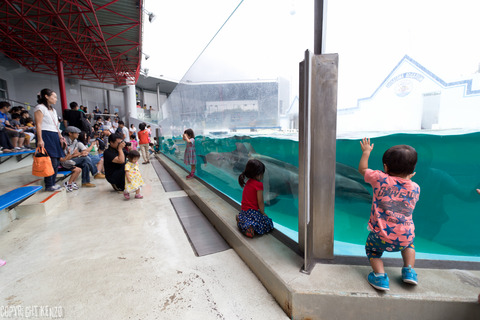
(394, 199)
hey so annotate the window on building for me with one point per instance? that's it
(3, 90)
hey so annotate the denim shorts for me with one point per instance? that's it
(376, 246)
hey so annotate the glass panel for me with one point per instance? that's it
(407, 77)
(240, 98)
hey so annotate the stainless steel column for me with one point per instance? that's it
(317, 148)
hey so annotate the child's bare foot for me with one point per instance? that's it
(250, 232)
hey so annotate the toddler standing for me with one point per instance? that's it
(133, 178)
(252, 219)
(391, 225)
(190, 157)
(133, 142)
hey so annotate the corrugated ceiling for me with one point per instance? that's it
(98, 40)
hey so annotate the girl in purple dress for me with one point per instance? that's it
(190, 157)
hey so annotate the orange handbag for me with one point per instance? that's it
(42, 165)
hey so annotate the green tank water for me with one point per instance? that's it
(446, 217)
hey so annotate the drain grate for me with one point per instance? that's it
(203, 237)
(168, 183)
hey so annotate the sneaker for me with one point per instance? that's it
(191, 175)
(75, 186)
(378, 282)
(409, 275)
(53, 188)
(126, 195)
(88, 185)
(17, 149)
(68, 187)
(99, 176)
(138, 196)
(2, 262)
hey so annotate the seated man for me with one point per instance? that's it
(114, 162)
(80, 157)
(75, 117)
(17, 137)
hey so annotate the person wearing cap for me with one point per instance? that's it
(81, 158)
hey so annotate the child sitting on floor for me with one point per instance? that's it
(252, 219)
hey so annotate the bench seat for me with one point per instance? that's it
(63, 174)
(16, 196)
(20, 155)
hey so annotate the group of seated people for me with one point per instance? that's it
(17, 129)
(92, 148)
(96, 149)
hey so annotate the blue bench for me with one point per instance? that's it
(63, 174)
(20, 155)
(13, 198)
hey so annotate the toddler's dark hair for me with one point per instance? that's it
(133, 154)
(189, 133)
(400, 160)
(253, 169)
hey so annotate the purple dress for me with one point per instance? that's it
(190, 157)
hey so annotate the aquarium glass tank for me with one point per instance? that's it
(399, 83)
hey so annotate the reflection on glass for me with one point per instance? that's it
(241, 99)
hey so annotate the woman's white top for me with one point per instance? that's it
(50, 118)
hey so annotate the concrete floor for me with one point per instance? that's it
(101, 257)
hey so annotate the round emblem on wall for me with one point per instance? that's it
(403, 87)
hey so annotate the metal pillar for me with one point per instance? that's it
(319, 26)
(130, 103)
(61, 84)
(158, 97)
(317, 150)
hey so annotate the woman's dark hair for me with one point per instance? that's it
(82, 137)
(41, 97)
(253, 169)
(400, 160)
(133, 154)
(189, 133)
(141, 126)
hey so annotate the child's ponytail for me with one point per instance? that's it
(241, 179)
(253, 169)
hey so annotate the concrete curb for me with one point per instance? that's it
(335, 291)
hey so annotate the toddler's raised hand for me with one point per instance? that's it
(365, 145)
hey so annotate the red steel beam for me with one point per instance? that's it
(59, 28)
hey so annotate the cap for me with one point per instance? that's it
(72, 129)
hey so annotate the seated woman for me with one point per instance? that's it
(92, 149)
